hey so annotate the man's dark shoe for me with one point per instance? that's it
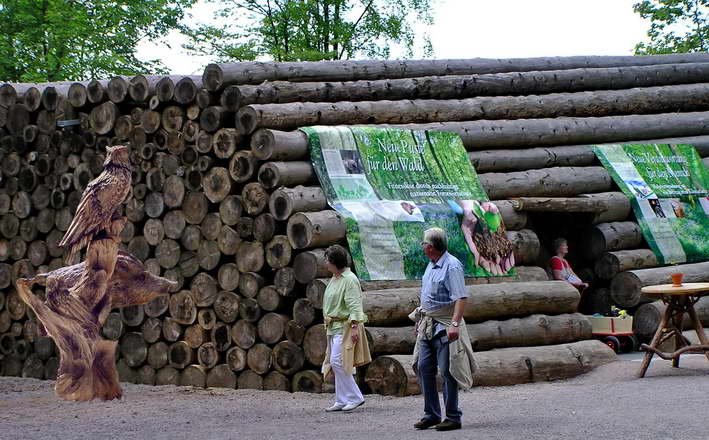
(425, 424)
(447, 425)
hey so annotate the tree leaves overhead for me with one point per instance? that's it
(676, 26)
(53, 40)
(311, 30)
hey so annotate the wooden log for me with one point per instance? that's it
(173, 192)
(218, 76)
(171, 329)
(236, 359)
(167, 376)
(609, 264)
(207, 355)
(303, 312)
(103, 117)
(276, 174)
(315, 344)
(250, 256)
(113, 328)
(18, 117)
(195, 207)
(245, 227)
(618, 207)
(307, 381)
(533, 330)
(278, 252)
(586, 104)
(151, 330)
(491, 301)
(559, 204)
(167, 253)
(316, 290)
(195, 336)
(258, 358)
(549, 182)
(180, 355)
(145, 375)
(203, 290)
(228, 241)
(132, 316)
(221, 376)
(288, 358)
(526, 246)
(271, 327)
(225, 142)
(134, 349)
(269, 299)
(117, 89)
(612, 236)
(194, 376)
(230, 210)
(250, 380)
(647, 318)
(206, 318)
(142, 87)
(276, 145)
(174, 224)
(33, 367)
(212, 118)
(309, 265)
(286, 201)
(221, 336)
(264, 227)
(625, 287)
(254, 198)
(226, 306)
(208, 255)
(249, 310)
(250, 284)
(122, 127)
(295, 332)
(276, 381)
(463, 86)
(393, 375)
(216, 184)
(153, 231)
(182, 308)
(44, 347)
(228, 277)
(312, 229)
(284, 281)
(172, 118)
(191, 237)
(243, 333)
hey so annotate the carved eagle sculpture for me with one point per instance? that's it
(101, 198)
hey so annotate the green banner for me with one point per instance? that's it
(667, 186)
(391, 185)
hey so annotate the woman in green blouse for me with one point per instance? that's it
(347, 346)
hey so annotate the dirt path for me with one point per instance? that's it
(608, 403)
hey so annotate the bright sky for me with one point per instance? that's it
(491, 29)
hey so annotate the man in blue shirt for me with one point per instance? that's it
(442, 289)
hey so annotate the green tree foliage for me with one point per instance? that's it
(53, 40)
(676, 26)
(310, 30)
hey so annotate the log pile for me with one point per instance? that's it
(226, 204)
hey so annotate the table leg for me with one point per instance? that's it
(655, 340)
(697, 324)
(677, 322)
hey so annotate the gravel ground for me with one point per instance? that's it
(608, 403)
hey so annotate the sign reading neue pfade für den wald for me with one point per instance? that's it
(667, 186)
(391, 185)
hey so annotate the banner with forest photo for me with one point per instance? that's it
(667, 186)
(391, 185)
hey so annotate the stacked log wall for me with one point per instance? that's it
(227, 204)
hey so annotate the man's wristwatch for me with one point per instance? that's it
(455, 323)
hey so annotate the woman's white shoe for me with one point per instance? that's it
(336, 407)
(352, 406)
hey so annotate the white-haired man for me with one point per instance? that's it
(442, 340)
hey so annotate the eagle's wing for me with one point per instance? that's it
(95, 209)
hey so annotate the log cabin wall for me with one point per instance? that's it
(226, 203)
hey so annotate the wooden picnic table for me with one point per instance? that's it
(679, 300)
